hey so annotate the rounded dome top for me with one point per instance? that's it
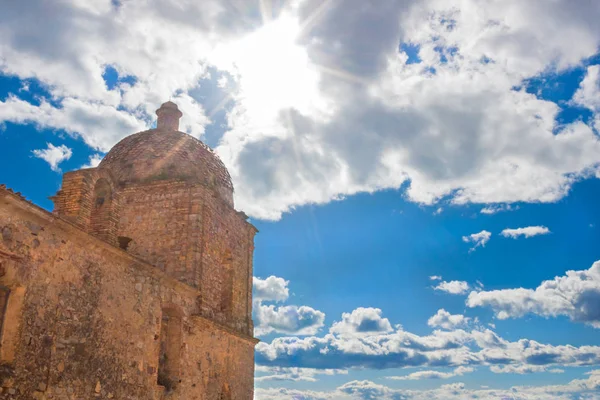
(157, 155)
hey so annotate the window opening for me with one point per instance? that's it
(227, 284)
(4, 293)
(170, 349)
(124, 242)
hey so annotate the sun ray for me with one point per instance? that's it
(266, 11)
(220, 105)
(307, 25)
(159, 163)
(339, 73)
(300, 164)
(242, 13)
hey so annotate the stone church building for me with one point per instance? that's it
(137, 286)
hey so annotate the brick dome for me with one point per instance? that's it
(164, 154)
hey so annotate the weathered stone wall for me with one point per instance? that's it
(195, 237)
(228, 377)
(164, 224)
(78, 202)
(183, 229)
(227, 242)
(84, 320)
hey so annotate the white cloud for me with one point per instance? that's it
(527, 232)
(400, 349)
(301, 320)
(478, 239)
(429, 374)
(291, 319)
(588, 94)
(453, 287)
(70, 56)
(294, 374)
(382, 348)
(576, 295)
(445, 320)
(435, 278)
(54, 155)
(93, 161)
(362, 321)
(493, 209)
(100, 126)
(367, 390)
(319, 116)
(272, 288)
(523, 369)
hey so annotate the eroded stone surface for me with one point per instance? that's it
(131, 289)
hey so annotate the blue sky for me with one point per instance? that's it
(424, 175)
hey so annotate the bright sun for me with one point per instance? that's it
(274, 72)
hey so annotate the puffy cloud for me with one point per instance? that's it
(301, 320)
(93, 161)
(589, 89)
(100, 126)
(453, 287)
(454, 132)
(293, 374)
(379, 350)
(292, 394)
(478, 239)
(435, 278)
(527, 232)
(401, 349)
(294, 358)
(362, 321)
(54, 155)
(291, 319)
(433, 374)
(313, 113)
(367, 390)
(576, 295)
(272, 288)
(523, 369)
(445, 320)
(68, 49)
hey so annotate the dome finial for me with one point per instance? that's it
(168, 116)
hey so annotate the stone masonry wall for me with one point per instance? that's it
(194, 236)
(163, 222)
(228, 240)
(84, 320)
(77, 202)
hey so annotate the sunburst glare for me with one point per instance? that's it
(273, 71)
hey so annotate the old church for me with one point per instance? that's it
(137, 286)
